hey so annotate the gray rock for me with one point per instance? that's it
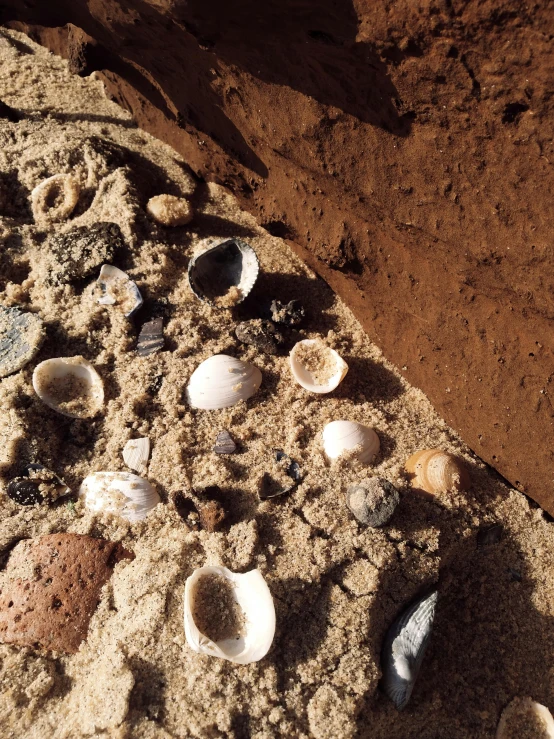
(373, 500)
(260, 333)
(81, 250)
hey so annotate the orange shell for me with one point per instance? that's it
(437, 471)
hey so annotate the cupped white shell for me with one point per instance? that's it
(122, 493)
(329, 356)
(436, 471)
(117, 289)
(341, 437)
(224, 275)
(254, 598)
(525, 717)
(221, 381)
(69, 385)
(136, 453)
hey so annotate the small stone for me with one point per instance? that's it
(260, 333)
(151, 337)
(170, 210)
(224, 443)
(211, 515)
(37, 485)
(81, 250)
(21, 335)
(489, 535)
(372, 501)
(289, 314)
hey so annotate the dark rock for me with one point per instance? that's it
(372, 501)
(260, 333)
(24, 491)
(77, 253)
(289, 314)
(224, 443)
(151, 337)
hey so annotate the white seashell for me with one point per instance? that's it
(224, 274)
(117, 289)
(525, 717)
(69, 385)
(136, 453)
(221, 381)
(254, 598)
(346, 436)
(55, 198)
(436, 471)
(404, 648)
(329, 361)
(127, 495)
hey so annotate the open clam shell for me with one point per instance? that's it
(222, 381)
(224, 274)
(21, 335)
(252, 636)
(117, 289)
(525, 717)
(69, 385)
(317, 367)
(404, 648)
(436, 471)
(344, 437)
(122, 493)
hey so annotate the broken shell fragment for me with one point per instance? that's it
(222, 381)
(224, 443)
(524, 717)
(488, 535)
(437, 471)
(36, 485)
(245, 632)
(350, 438)
(404, 648)
(122, 493)
(55, 198)
(372, 501)
(170, 210)
(271, 486)
(136, 453)
(317, 367)
(151, 337)
(224, 274)
(69, 385)
(117, 289)
(21, 335)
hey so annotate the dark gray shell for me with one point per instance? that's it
(404, 647)
(233, 263)
(21, 335)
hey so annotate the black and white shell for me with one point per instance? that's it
(404, 647)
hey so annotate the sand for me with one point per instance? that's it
(337, 585)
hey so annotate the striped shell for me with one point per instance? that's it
(136, 453)
(346, 436)
(404, 648)
(437, 471)
(222, 381)
(122, 493)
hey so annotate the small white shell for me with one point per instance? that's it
(136, 453)
(55, 198)
(525, 714)
(69, 385)
(305, 378)
(346, 436)
(118, 289)
(221, 381)
(224, 275)
(127, 495)
(254, 598)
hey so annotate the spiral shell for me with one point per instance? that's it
(437, 471)
(69, 385)
(127, 495)
(222, 381)
(348, 436)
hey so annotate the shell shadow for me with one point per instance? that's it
(373, 380)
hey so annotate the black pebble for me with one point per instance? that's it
(260, 333)
(24, 491)
(289, 314)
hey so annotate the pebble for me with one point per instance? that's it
(211, 515)
(170, 210)
(151, 337)
(224, 443)
(289, 314)
(372, 501)
(81, 250)
(260, 333)
(21, 335)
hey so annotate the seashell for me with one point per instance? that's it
(524, 717)
(21, 335)
(170, 210)
(36, 485)
(127, 495)
(260, 333)
(340, 437)
(117, 289)
(222, 381)
(272, 487)
(404, 647)
(69, 385)
(372, 501)
(151, 338)
(55, 198)
(250, 614)
(317, 367)
(224, 274)
(289, 314)
(136, 453)
(224, 443)
(437, 471)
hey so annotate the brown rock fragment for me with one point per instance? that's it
(211, 515)
(51, 588)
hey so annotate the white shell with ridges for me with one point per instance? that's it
(122, 493)
(222, 381)
(346, 436)
(54, 377)
(305, 378)
(256, 602)
(136, 453)
(224, 274)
